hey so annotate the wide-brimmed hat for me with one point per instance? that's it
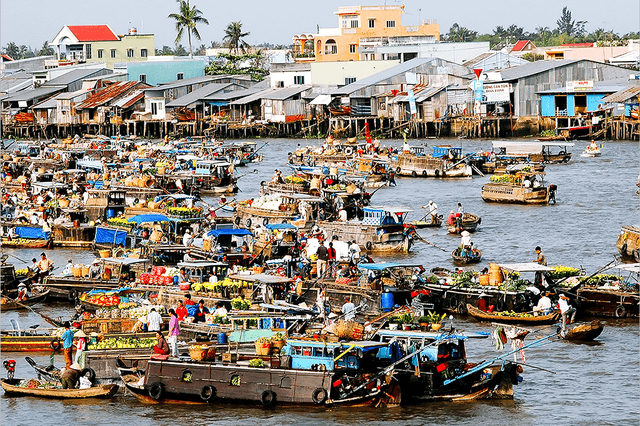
(465, 233)
(76, 366)
(79, 333)
(483, 294)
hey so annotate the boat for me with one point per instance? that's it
(512, 187)
(475, 257)
(446, 161)
(592, 150)
(184, 114)
(534, 152)
(23, 243)
(583, 331)
(628, 243)
(11, 387)
(516, 319)
(276, 209)
(9, 305)
(433, 223)
(470, 223)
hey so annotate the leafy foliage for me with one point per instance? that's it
(187, 19)
(234, 37)
(253, 64)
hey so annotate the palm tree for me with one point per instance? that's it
(187, 19)
(233, 35)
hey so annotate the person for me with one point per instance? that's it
(23, 293)
(161, 348)
(541, 259)
(201, 312)
(348, 310)
(188, 301)
(320, 301)
(154, 319)
(342, 215)
(181, 311)
(451, 219)
(321, 264)
(220, 311)
(543, 307)
(461, 211)
(67, 343)
(331, 253)
(174, 332)
(392, 179)
(354, 250)
(67, 269)
(85, 381)
(187, 238)
(432, 208)
(483, 304)
(44, 266)
(70, 376)
(95, 270)
(465, 243)
(182, 276)
(568, 312)
(526, 183)
(81, 346)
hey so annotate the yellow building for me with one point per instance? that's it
(362, 26)
(98, 43)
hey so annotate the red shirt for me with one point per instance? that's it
(483, 305)
(181, 313)
(331, 254)
(189, 302)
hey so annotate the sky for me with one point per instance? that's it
(31, 22)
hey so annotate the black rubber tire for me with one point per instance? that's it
(208, 393)
(621, 312)
(437, 173)
(263, 183)
(453, 302)
(56, 344)
(265, 221)
(73, 294)
(623, 249)
(398, 170)
(414, 174)
(369, 245)
(424, 173)
(247, 222)
(237, 220)
(92, 374)
(462, 308)
(268, 398)
(500, 305)
(156, 390)
(319, 396)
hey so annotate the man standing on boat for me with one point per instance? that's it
(541, 260)
(44, 266)
(348, 310)
(67, 343)
(461, 211)
(432, 209)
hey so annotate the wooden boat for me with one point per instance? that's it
(443, 163)
(628, 243)
(433, 223)
(512, 187)
(342, 110)
(24, 117)
(477, 256)
(487, 316)
(184, 114)
(9, 305)
(469, 223)
(104, 391)
(584, 331)
(23, 243)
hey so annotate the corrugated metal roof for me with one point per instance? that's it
(48, 104)
(197, 95)
(272, 93)
(75, 75)
(129, 100)
(596, 89)
(622, 95)
(234, 94)
(533, 68)
(381, 76)
(71, 95)
(183, 82)
(107, 94)
(31, 94)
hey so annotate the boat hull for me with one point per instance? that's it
(486, 316)
(585, 331)
(503, 193)
(105, 391)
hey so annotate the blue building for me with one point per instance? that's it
(158, 72)
(572, 103)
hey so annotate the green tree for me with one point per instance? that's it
(253, 64)
(233, 36)
(567, 25)
(461, 34)
(187, 20)
(46, 50)
(181, 51)
(12, 50)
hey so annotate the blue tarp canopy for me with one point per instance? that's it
(219, 103)
(272, 226)
(117, 290)
(173, 196)
(238, 232)
(32, 233)
(378, 266)
(111, 236)
(142, 218)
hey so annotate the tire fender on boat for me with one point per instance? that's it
(237, 220)
(319, 396)
(268, 398)
(414, 174)
(248, 223)
(92, 374)
(623, 249)
(462, 307)
(621, 312)
(369, 245)
(156, 390)
(500, 304)
(398, 170)
(424, 173)
(437, 172)
(56, 344)
(73, 294)
(208, 393)
(265, 221)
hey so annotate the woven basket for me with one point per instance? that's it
(199, 353)
(349, 330)
(104, 253)
(388, 281)
(77, 272)
(263, 348)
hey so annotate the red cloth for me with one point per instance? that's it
(483, 305)
(189, 302)
(181, 313)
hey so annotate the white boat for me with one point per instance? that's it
(592, 150)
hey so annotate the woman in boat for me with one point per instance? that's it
(81, 345)
(465, 243)
(162, 348)
(69, 378)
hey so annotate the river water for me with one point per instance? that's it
(597, 383)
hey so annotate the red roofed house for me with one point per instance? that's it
(98, 43)
(523, 46)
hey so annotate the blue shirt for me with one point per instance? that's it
(67, 339)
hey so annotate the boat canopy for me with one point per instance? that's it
(280, 226)
(143, 218)
(525, 267)
(230, 231)
(629, 267)
(432, 335)
(32, 233)
(261, 278)
(386, 265)
(525, 148)
(124, 260)
(199, 264)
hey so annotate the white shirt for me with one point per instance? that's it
(564, 305)
(461, 210)
(349, 310)
(465, 241)
(433, 209)
(186, 239)
(342, 214)
(221, 312)
(155, 319)
(544, 303)
(355, 249)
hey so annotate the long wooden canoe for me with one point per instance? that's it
(584, 331)
(24, 304)
(104, 391)
(466, 259)
(486, 316)
(469, 223)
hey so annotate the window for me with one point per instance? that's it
(372, 23)
(180, 76)
(143, 78)
(350, 21)
(349, 80)
(279, 83)
(391, 24)
(143, 53)
(129, 53)
(298, 79)
(353, 48)
(319, 47)
(88, 49)
(154, 108)
(99, 53)
(330, 47)
(113, 53)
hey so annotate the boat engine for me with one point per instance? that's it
(10, 366)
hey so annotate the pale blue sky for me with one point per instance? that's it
(31, 22)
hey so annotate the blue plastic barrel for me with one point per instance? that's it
(176, 280)
(111, 213)
(222, 338)
(387, 302)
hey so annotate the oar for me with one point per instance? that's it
(21, 260)
(254, 171)
(425, 241)
(537, 368)
(46, 318)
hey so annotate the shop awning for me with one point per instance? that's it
(321, 100)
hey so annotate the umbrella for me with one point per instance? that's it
(142, 218)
